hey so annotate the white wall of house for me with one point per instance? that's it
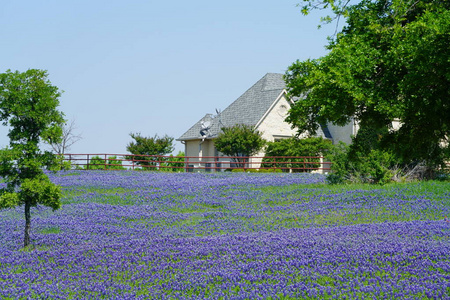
(343, 133)
(199, 148)
(273, 125)
(203, 153)
(191, 148)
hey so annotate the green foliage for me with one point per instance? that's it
(157, 146)
(98, 163)
(349, 166)
(174, 163)
(61, 164)
(40, 190)
(239, 140)
(28, 105)
(390, 62)
(311, 147)
(114, 163)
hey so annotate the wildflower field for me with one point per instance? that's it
(145, 235)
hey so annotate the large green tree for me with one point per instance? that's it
(148, 150)
(239, 141)
(28, 105)
(389, 63)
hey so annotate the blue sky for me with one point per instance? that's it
(154, 67)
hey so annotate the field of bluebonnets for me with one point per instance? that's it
(141, 235)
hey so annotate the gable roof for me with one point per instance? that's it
(248, 109)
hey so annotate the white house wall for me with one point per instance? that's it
(273, 125)
(201, 154)
(191, 148)
(342, 133)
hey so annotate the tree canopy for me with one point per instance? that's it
(312, 147)
(389, 63)
(239, 140)
(28, 105)
(144, 146)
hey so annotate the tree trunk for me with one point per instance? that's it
(26, 240)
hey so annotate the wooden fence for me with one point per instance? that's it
(104, 161)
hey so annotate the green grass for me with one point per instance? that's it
(50, 230)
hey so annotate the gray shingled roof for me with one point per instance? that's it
(248, 109)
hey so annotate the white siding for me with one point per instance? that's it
(342, 133)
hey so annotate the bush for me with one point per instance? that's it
(114, 163)
(97, 163)
(175, 164)
(349, 166)
(61, 164)
(310, 147)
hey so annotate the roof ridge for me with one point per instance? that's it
(247, 108)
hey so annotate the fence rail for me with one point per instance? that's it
(102, 161)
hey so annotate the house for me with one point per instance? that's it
(264, 106)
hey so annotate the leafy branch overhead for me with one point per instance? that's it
(389, 63)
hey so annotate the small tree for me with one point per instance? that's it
(28, 104)
(149, 146)
(114, 163)
(175, 163)
(98, 163)
(239, 141)
(312, 147)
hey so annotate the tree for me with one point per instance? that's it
(68, 138)
(312, 147)
(239, 141)
(144, 146)
(98, 163)
(28, 104)
(390, 62)
(175, 163)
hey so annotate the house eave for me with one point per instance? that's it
(194, 139)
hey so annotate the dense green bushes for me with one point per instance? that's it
(367, 161)
(312, 148)
(97, 163)
(348, 166)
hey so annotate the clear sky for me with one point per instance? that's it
(154, 67)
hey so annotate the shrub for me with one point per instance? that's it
(175, 164)
(114, 163)
(312, 147)
(349, 166)
(98, 163)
